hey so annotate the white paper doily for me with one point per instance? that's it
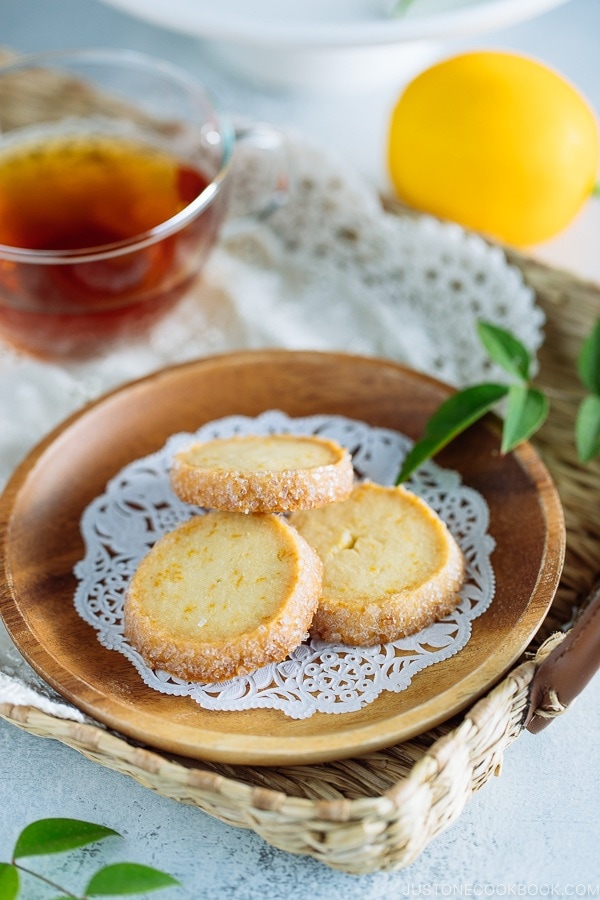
(138, 506)
(330, 270)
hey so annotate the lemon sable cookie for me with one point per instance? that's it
(263, 473)
(222, 595)
(390, 565)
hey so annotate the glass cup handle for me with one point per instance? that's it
(260, 176)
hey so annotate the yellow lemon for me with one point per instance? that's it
(495, 141)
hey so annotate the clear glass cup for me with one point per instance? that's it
(114, 185)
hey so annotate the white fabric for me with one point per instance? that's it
(329, 270)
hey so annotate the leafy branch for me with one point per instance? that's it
(400, 7)
(57, 835)
(587, 423)
(527, 407)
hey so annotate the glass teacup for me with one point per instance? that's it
(114, 183)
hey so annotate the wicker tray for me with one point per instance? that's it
(378, 812)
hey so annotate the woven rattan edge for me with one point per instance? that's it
(395, 826)
(388, 829)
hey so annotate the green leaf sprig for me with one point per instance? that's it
(587, 423)
(526, 406)
(400, 7)
(57, 835)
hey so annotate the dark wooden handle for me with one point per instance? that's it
(568, 668)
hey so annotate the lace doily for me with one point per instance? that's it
(330, 270)
(120, 526)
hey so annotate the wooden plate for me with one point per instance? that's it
(41, 507)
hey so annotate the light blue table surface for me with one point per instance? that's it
(532, 832)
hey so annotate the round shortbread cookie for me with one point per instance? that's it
(222, 595)
(390, 565)
(263, 473)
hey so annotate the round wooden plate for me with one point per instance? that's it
(40, 513)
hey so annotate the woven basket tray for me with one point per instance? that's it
(380, 811)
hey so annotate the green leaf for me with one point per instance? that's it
(505, 350)
(400, 7)
(526, 412)
(587, 428)
(9, 882)
(450, 419)
(588, 361)
(127, 878)
(57, 835)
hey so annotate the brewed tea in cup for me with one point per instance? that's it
(114, 181)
